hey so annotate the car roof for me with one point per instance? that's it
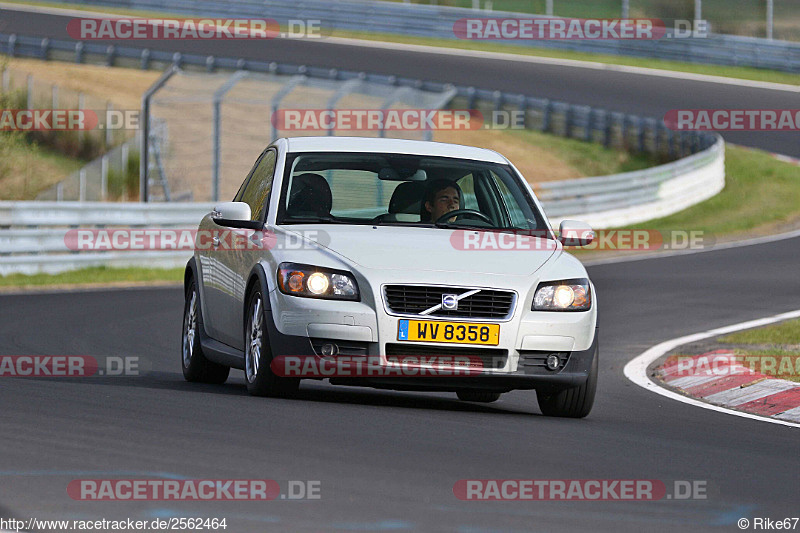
(391, 146)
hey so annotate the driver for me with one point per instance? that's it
(442, 197)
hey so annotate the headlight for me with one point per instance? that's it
(316, 282)
(563, 295)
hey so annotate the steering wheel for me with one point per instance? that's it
(464, 212)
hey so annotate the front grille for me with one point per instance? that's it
(533, 361)
(414, 299)
(479, 357)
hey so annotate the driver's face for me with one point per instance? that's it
(445, 201)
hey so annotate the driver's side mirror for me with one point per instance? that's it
(235, 215)
(575, 233)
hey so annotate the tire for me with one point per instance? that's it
(575, 402)
(260, 379)
(196, 367)
(482, 396)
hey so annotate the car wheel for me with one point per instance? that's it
(574, 402)
(260, 379)
(482, 396)
(195, 365)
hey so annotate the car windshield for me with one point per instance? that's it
(412, 190)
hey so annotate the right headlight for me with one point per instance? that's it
(316, 282)
(563, 295)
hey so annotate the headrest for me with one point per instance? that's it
(310, 196)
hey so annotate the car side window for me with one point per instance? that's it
(467, 184)
(256, 193)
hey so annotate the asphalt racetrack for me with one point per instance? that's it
(387, 461)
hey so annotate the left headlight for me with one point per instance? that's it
(316, 282)
(563, 295)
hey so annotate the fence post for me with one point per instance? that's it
(625, 8)
(54, 91)
(145, 130)
(548, 8)
(60, 191)
(81, 105)
(769, 19)
(104, 178)
(29, 102)
(6, 80)
(109, 107)
(82, 185)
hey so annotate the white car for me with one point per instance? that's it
(410, 255)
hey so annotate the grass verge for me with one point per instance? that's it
(93, 276)
(773, 350)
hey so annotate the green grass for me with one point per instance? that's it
(591, 159)
(746, 73)
(94, 275)
(784, 333)
(760, 193)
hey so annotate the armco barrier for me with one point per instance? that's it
(32, 233)
(437, 21)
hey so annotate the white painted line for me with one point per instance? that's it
(792, 415)
(742, 395)
(497, 56)
(636, 369)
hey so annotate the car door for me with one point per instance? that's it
(240, 250)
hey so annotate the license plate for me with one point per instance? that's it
(455, 332)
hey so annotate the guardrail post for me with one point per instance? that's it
(43, 47)
(145, 59)
(60, 192)
(210, 64)
(111, 52)
(54, 96)
(6, 79)
(568, 121)
(79, 52)
(640, 134)
(546, 116)
(81, 105)
(12, 44)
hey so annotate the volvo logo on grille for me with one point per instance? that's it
(450, 302)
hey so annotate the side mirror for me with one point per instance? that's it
(575, 233)
(235, 215)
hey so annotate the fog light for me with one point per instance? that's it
(553, 362)
(329, 349)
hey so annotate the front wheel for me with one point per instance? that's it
(260, 379)
(196, 367)
(575, 402)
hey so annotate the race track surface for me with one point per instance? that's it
(389, 460)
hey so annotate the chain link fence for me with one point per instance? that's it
(206, 130)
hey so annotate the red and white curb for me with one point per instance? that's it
(636, 371)
(720, 378)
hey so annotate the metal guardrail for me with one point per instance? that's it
(33, 235)
(437, 21)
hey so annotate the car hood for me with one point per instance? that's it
(433, 249)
